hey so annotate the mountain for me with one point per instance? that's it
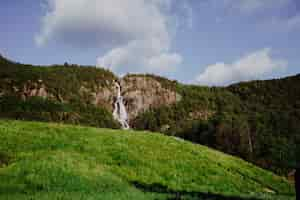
(54, 161)
(258, 121)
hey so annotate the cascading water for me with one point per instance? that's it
(120, 113)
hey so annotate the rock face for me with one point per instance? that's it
(31, 89)
(27, 90)
(139, 92)
(100, 96)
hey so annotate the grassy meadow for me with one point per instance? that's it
(46, 161)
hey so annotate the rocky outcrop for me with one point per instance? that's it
(140, 93)
(99, 96)
(104, 96)
(31, 89)
(143, 92)
(26, 90)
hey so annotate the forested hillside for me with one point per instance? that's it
(54, 93)
(258, 121)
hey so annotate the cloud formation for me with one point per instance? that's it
(137, 32)
(256, 65)
(140, 56)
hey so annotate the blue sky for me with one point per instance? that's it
(207, 42)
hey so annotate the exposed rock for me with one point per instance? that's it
(31, 89)
(42, 92)
(141, 93)
(104, 97)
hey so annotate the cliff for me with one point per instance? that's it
(86, 85)
(142, 92)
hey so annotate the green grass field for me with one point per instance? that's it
(51, 161)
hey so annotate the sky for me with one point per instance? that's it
(205, 42)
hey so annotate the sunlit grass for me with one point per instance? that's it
(53, 161)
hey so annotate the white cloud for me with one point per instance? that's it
(141, 56)
(164, 62)
(102, 21)
(137, 32)
(256, 65)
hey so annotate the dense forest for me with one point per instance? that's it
(258, 121)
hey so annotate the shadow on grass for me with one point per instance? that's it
(182, 194)
(4, 159)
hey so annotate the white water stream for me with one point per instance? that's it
(120, 113)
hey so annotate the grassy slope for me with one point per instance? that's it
(267, 112)
(52, 161)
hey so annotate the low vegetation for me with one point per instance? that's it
(54, 161)
(40, 109)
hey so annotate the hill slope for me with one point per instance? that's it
(52, 161)
(258, 121)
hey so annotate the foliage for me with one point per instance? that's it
(258, 121)
(165, 83)
(39, 109)
(61, 80)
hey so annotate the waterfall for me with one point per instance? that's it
(120, 113)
